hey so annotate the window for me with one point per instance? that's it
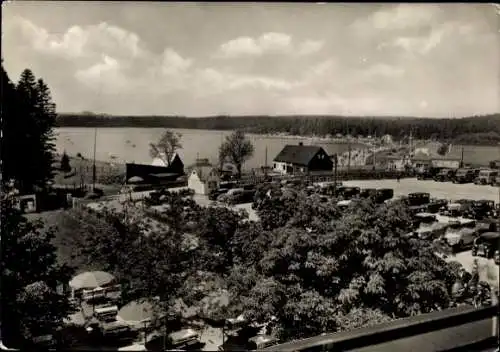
(274, 165)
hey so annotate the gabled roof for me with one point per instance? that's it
(298, 154)
(203, 171)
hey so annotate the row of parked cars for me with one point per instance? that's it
(471, 223)
(462, 175)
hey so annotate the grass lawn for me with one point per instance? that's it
(66, 229)
(109, 176)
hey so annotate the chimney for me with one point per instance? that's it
(301, 144)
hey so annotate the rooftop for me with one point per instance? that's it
(297, 154)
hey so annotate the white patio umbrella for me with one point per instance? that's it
(136, 313)
(91, 280)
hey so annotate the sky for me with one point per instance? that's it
(200, 59)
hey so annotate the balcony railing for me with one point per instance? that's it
(457, 329)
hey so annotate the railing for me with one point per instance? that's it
(463, 328)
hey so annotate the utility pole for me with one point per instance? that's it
(265, 163)
(462, 158)
(93, 165)
(335, 162)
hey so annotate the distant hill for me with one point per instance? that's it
(467, 130)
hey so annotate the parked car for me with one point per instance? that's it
(483, 208)
(214, 195)
(384, 194)
(445, 175)
(486, 244)
(457, 208)
(428, 173)
(486, 177)
(436, 205)
(461, 234)
(431, 230)
(423, 218)
(368, 193)
(464, 176)
(348, 192)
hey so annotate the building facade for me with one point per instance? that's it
(203, 179)
(297, 159)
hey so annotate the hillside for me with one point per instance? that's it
(468, 130)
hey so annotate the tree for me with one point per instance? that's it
(332, 268)
(65, 166)
(236, 149)
(166, 147)
(28, 120)
(30, 278)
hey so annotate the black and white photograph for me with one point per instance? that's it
(236, 176)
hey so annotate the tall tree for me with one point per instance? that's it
(166, 147)
(28, 140)
(30, 303)
(236, 149)
(65, 165)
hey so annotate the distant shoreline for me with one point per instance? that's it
(475, 130)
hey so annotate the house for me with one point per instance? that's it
(302, 159)
(421, 159)
(203, 179)
(176, 164)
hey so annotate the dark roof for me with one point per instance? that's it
(298, 154)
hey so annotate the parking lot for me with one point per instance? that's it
(446, 190)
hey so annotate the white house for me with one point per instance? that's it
(203, 179)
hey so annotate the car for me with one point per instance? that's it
(384, 194)
(423, 218)
(436, 205)
(368, 193)
(460, 233)
(445, 175)
(214, 195)
(482, 208)
(348, 192)
(457, 207)
(428, 173)
(431, 231)
(486, 177)
(486, 244)
(417, 202)
(464, 176)
(418, 198)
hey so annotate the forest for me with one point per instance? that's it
(476, 130)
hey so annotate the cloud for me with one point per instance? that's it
(424, 44)
(383, 70)
(310, 47)
(402, 16)
(79, 42)
(266, 43)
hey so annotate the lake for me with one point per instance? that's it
(132, 144)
